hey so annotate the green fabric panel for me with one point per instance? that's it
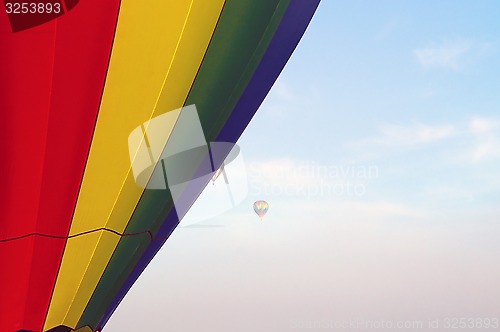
(239, 42)
(119, 267)
(232, 58)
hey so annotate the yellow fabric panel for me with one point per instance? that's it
(151, 72)
(159, 46)
(66, 307)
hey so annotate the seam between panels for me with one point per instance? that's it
(37, 221)
(262, 39)
(76, 235)
(190, 90)
(153, 238)
(86, 161)
(154, 108)
(143, 128)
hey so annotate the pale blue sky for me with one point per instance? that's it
(405, 94)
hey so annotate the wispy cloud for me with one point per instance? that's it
(451, 55)
(483, 125)
(482, 137)
(280, 100)
(487, 137)
(283, 91)
(446, 56)
(287, 100)
(486, 149)
(404, 135)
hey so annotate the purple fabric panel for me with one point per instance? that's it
(287, 36)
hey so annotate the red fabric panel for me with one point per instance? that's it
(25, 281)
(51, 81)
(26, 60)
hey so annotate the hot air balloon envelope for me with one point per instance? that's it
(107, 109)
(261, 207)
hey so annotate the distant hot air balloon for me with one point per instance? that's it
(87, 87)
(261, 207)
